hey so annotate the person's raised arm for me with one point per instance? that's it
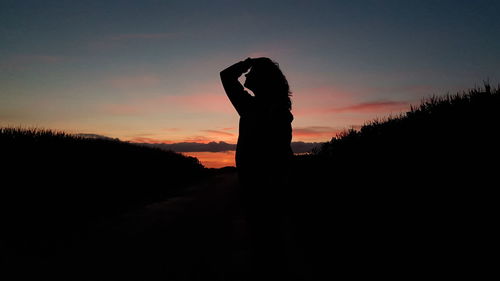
(234, 90)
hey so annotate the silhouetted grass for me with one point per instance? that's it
(401, 190)
(55, 184)
(450, 129)
(467, 116)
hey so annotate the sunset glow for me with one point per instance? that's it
(148, 71)
(214, 159)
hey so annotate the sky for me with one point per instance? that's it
(148, 71)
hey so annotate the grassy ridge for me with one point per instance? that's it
(445, 133)
(410, 193)
(455, 118)
(55, 183)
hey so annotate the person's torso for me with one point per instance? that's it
(265, 135)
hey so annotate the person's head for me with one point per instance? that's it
(267, 82)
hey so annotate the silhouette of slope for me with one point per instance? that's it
(55, 184)
(412, 193)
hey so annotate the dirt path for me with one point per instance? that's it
(199, 235)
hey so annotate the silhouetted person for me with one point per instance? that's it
(263, 156)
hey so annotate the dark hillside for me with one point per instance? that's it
(55, 184)
(450, 138)
(411, 192)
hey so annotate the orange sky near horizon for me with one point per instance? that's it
(214, 159)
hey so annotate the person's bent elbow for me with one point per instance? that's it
(223, 74)
(226, 74)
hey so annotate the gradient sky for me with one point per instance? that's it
(148, 71)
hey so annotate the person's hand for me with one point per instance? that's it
(248, 62)
(237, 69)
(245, 65)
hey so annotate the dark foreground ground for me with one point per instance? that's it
(202, 234)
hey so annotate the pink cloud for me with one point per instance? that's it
(330, 99)
(378, 106)
(148, 140)
(197, 139)
(220, 135)
(215, 132)
(208, 136)
(200, 139)
(316, 132)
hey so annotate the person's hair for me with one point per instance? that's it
(273, 81)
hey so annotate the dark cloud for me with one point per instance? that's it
(194, 146)
(297, 147)
(218, 132)
(221, 146)
(303, 147)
